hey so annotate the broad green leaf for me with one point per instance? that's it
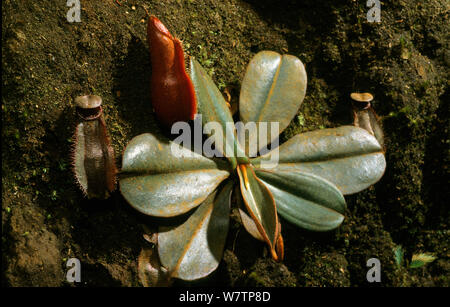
(272, 90)
(260, 205)
(213, 108)
(194, 249)
(347, 156)
(162, 178)
(305, 199)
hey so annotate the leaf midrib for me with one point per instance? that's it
(272, 87)
(328, 158)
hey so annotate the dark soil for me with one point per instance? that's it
(47, 61)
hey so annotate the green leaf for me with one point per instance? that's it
(306, 200)
(194, 249)
(419, 260)
(398, 255)
(213, 108)
(260, 205)
(347, 156)
(272, 90)
(162, 178)
(250, 225)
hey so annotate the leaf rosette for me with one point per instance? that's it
(313, 170)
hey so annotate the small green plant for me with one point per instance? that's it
(417, 260)
(314, 170)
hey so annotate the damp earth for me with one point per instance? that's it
(402, 60)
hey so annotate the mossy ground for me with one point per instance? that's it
(46, 61)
